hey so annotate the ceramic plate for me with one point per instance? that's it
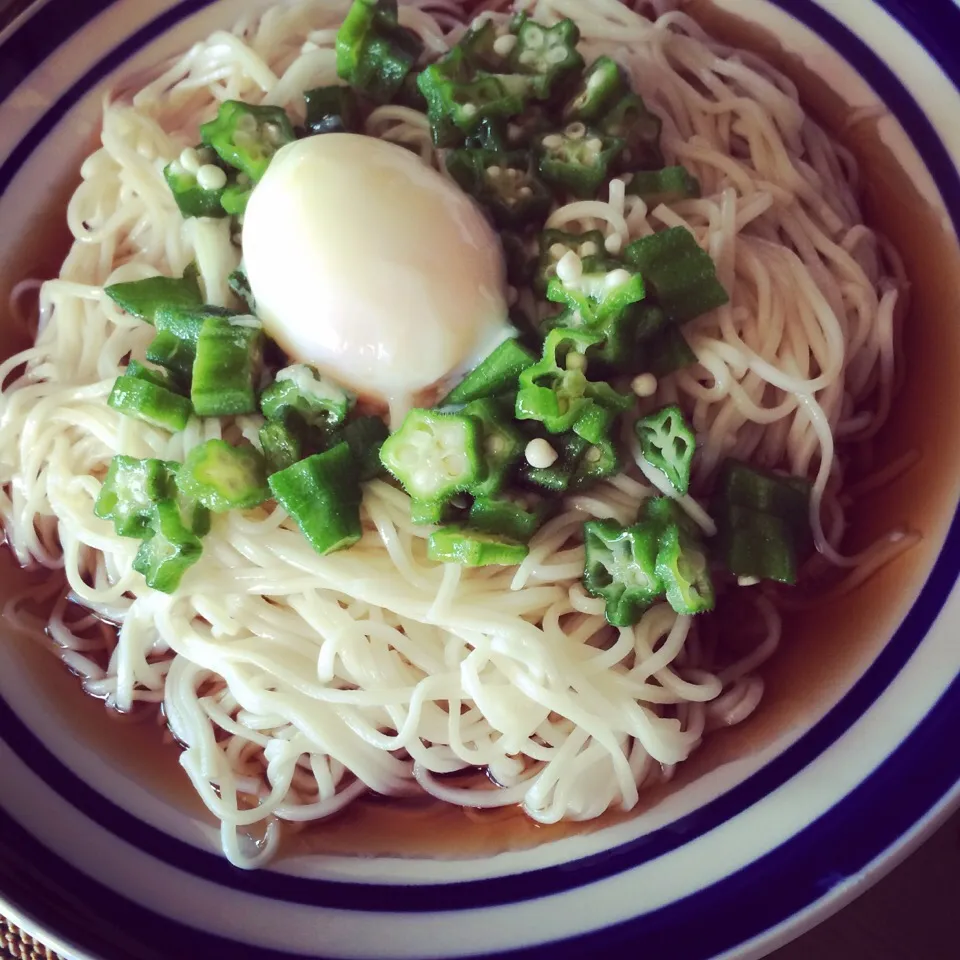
(100, 863)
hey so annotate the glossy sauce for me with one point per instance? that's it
(826, 646)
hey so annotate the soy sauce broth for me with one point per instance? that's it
(825, 647)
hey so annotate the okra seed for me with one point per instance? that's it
(557, 250)
(189, 160)
(570, 268)
(493, 171)
(594, 144)
(616, 278)
(504, 45)
(527, 57)
(525, 192)
(556, 55)
(644, 385)
(575, 361)
(468, 110)
(576, 131)
(588, 249)
(593, 455)
(540, 454)
(553, 141)
(210, 177)
(747, 581)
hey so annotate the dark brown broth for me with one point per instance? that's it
(825, 647)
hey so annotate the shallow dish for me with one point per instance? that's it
(774, 826)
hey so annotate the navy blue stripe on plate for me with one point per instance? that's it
(758, 898)
(39, 36)
(123, 51)
(542, 882)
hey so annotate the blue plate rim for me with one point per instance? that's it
(809, 13)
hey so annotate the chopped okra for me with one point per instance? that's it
(546, 53)
(170, 550)
(223, 477)
(302, 390)
(322, 496)
(149, 396)
(667, 443)
(246, 136)
(435, 455)
(374, 53)
(601, 85)
(130, 490)
(143, 298)
(474, 548)
(577, 158)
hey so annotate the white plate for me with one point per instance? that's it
(738, 862)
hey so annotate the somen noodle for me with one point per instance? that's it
(297, 682)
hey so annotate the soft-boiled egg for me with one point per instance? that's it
(371, 266)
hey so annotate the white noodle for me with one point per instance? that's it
(297, 682)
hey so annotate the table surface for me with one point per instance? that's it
(909, 915)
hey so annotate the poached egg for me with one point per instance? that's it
(372, 267)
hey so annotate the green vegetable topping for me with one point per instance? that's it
(504, 518)
(130, 491)
(556, 392)
(374, 53)
(763, 522)
(171, 549)
(240, 285)
(621, 567)
(639, 129)
(474, 548)
(322, 496)
(577, 158)
(226, 366)
(282, 445)
(668, 443)
(665, 352)
(496, 374)
(149, 396)
(681, 276)
(660, 555)
(554, 244)
(223, 477)
(682, 568)
(435, 455)
(600, 295)
(247, 136)
(668, 185)
(460, 97)
(601, 85)
(143, 298)
(548, 54)
(332, 110)
(300, 389)
(502, 183)
(365, 436)
(194, 199)
(501, 444)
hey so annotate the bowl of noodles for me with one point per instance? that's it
(475, 480)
